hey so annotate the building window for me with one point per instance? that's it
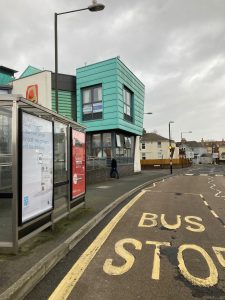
(143, 156)
(97, 145)
(107, 145)
(143, 146)
(159, 144)
(160, 155)
(128, 104)
(92, 103)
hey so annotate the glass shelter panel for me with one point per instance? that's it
(5, 150)
(5, 174)
(60, 152)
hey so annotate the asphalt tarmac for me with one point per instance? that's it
(167, 242)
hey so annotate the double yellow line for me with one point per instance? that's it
(66, 286)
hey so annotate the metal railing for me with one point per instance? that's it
(93, 163)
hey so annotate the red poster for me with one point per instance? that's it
(78, 163)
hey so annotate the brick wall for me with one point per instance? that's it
(103, 174)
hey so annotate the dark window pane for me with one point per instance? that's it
(87, 117)
(60, 151)
(107, 142)
(128, 105)
(88, 144)
(96, 140)
(97, 116)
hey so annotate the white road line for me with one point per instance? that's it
(212, 188)
(201, 196)
(206, 203)
(203, 174)
(213, 212)
(218, 175)
(189, 174)
(217, 194)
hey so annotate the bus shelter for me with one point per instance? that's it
(42, 169)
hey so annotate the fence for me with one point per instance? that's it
(164, 163)
(93, 163)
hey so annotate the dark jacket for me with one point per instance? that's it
(113, 163)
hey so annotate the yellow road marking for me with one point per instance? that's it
(169, 226)
(66, 286)
(211, 280)
(156, 260)
(108, 266)
(220, 257)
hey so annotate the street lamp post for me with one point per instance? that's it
(93, 8)
(171, 160)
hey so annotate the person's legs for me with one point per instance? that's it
(111, 172)
(117, 174)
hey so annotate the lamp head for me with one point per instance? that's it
(96, 6)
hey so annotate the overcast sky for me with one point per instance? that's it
(175, 47)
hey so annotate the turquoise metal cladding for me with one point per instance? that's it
(113, 75)
(5, 79)
(66, 103)
(30, 71)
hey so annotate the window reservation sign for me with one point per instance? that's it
(78, 163)
(37, 166)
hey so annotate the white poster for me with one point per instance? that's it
(37, 166)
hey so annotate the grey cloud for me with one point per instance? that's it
(176, 47)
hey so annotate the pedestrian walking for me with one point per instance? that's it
(114, 168)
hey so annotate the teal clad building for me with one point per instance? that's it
(110, 104)
(6, 77)
(30, 70)
(106, 97)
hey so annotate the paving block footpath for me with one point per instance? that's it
(20, 273)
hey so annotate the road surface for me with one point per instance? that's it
(168, 242)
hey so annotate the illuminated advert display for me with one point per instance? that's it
(37, 166)
(78, 163)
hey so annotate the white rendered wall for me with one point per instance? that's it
(43, 80)
(137, 162)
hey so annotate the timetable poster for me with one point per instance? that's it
(78, 163)
(37, 166)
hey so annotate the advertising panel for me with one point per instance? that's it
(37, 166)
(78, 163)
